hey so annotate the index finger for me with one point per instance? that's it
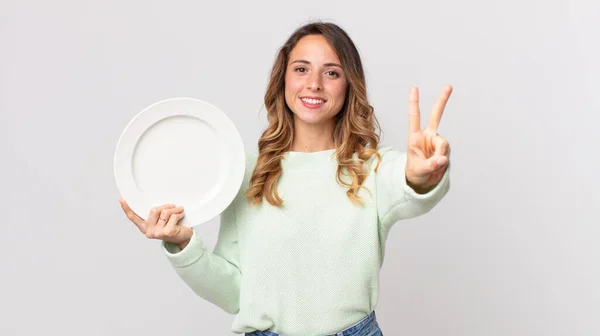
(438, 109)
(414, 114)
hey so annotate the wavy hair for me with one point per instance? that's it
(356, 129)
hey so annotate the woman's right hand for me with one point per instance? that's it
(162, 223)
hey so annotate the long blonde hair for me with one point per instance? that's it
(356, 128)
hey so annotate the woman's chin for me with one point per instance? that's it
(310, 117)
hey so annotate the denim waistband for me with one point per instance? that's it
(356, 329)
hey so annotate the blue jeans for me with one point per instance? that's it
(368, 326)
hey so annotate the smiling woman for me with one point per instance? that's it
(311, 265)
(323, 105)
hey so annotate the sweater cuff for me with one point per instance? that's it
(194, 250)
(440, 187)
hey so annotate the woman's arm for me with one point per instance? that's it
(214, 276)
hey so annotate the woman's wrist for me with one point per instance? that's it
(188, 233)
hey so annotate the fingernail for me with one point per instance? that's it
(441, 161)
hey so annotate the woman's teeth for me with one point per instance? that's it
(312, 101)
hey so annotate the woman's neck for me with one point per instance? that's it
(312, 138)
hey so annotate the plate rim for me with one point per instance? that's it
(194, 214)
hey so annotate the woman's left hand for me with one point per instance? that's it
(428, 154)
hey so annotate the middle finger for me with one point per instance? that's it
(438, 109)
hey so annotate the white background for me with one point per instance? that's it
(512, 250)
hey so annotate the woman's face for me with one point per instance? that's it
(315, 84)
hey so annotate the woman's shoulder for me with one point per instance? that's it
(250, 162)
(383, 150)
(389, 153)
(386, 153)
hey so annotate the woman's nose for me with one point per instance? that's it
(314, 82)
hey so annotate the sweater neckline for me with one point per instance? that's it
(309, 160)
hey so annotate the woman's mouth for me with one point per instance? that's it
(312, 102)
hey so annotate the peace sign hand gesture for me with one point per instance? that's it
(428, 154)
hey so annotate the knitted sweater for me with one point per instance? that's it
(311, 267)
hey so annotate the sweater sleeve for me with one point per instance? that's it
(214, 276)
(395, 199)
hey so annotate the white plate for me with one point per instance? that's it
(182, 151)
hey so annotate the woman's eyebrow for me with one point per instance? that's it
(326, 64)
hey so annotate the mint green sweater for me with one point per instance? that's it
(311, 267)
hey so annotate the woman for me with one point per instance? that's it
(300, 248)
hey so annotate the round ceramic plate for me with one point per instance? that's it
(182, 151)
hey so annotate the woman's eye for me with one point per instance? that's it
(300, 69)
(333, 73)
